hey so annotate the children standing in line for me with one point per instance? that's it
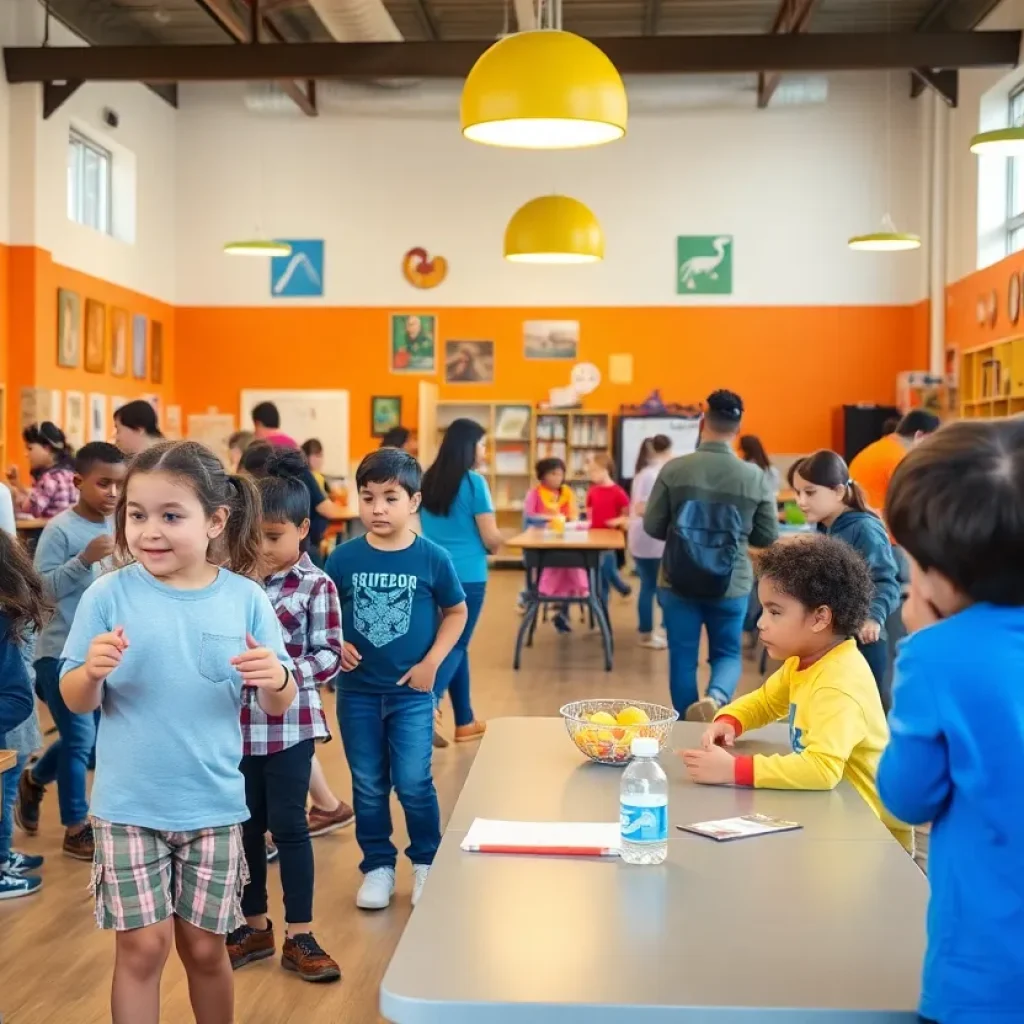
(645, 550)
(68, 558)
(827, 496)
(164, 647)
(815, 595)
(607, 506)
(550, 499)
(23, 608)
(50, 459)
(956, 507)
(403, 609)
(278, 749)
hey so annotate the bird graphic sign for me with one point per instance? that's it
(300, 274)
(704, 265)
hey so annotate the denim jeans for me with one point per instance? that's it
(66, 760)
(647, 570)
(610, 578)
(684, 617)
(389, 742)
(8, 796)
(453, 675)
(275, 793)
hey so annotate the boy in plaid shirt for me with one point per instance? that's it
(278, 751)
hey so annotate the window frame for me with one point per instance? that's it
(78, 145)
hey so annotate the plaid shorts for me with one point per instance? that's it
(141, 876)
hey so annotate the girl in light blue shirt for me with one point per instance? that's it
(163, 647)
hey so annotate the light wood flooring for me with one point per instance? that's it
(55, 965)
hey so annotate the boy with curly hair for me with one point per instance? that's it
(815, 594)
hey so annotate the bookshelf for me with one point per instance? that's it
(572, 436)
(992, 380)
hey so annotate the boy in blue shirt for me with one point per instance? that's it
(402, 611)
(956, 506)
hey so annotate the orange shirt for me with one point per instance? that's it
(873, 468)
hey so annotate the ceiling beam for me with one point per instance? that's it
(854, 51)
(792, 16)
(428, 20)
(225, 17)
(945, 83)
(652, 17)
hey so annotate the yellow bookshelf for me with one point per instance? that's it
(992, 380)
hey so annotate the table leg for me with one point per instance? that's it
(598, 612)
(525, 627)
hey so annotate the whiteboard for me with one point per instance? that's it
(684, 434)
(305, 414)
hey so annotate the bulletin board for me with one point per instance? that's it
(305, 414)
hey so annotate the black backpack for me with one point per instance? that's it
(701, 548)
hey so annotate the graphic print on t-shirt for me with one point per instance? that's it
(382, 605)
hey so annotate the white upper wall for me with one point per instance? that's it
(33, 169)
(791, 185)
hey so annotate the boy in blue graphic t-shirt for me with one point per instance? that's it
(402, 610)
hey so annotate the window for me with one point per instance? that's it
(1015, 184)
(89, 177)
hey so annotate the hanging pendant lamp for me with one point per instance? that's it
(886, 240)
(257, 247)
(543, 89)
(1001, 142)
(554, 229)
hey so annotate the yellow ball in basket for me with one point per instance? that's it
(604, 729)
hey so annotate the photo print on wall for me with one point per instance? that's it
(69, 326)
(413, 342)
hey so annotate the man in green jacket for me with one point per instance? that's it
(711, 508)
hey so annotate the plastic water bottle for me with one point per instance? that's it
(643, 806)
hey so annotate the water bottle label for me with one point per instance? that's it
(644, 824)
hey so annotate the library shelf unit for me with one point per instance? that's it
(573, 435)
(992, 380)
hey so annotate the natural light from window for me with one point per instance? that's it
(1015, 184)
(90, 173)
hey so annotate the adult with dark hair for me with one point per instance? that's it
(710, 507)
(400, 437)
(458, 514)
(136, 427)
(646, 551)
(752, 450)
(266, 425)
(254, 462)
(873, 466)
(50, 461)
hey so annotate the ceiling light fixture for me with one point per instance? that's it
(554, 229)
(257, 247)
(1000, 142)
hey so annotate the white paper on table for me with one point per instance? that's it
(566, 837)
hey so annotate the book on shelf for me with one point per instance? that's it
(513, 424)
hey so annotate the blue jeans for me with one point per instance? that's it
(610, 578)
(66, 760)
(389, 742)
(453, 675)
(647, 570)
(684, 618)
(8, 796)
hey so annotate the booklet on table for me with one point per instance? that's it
(742, 827)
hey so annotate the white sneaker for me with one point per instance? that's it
(419, 879)
(655, 641)
(377, 889)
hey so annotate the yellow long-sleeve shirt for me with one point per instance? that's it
(836, 726)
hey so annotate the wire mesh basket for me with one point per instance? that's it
(619, 722)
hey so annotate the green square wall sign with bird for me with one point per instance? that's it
(704, 265)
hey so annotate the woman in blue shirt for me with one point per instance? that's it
(457, 513)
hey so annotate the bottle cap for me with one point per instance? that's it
(644, 746)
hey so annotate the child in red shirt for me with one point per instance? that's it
(608, 509)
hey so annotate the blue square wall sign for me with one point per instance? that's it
(300, 274)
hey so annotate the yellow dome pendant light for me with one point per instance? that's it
(1000, 142)
(886, 240)
(554, 229)
(544, 89)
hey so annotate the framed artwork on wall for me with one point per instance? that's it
(385, 414)
(413, 343)
(98, 430)
(156, 352)
(119, 342)
(469, 362)
(139, 347)
(1013, 299)
(95, 337)
(74, 418)
(69, 326)
(551, 339)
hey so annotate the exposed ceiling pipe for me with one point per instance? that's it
(648, 94)
(359, 21)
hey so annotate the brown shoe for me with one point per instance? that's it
(322, 822)
(80, 844)
(246, 945)
(26, 806)
(439, 740)
(303, 955)
(468, 733)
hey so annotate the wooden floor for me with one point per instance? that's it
(55, 965)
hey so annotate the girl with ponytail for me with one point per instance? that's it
(837, 505)
(50, 459)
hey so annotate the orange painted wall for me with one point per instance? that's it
(29, 331)
(794, 366)
(962, 328)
